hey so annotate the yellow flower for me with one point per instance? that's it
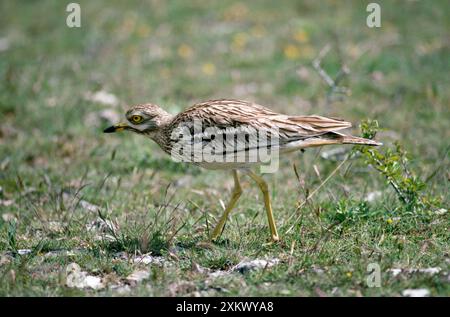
(389, 221)
(258, 31)
(144, 30)
(185, 51)
(209, 69)
(239, 41)
(349, 274)
(291, 51)
(237, 12)
(301, 36)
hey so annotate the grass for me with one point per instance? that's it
(65, 186)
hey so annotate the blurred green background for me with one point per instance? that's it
(61, 86)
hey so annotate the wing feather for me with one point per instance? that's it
(227, 116)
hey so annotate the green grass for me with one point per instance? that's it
(53, 153)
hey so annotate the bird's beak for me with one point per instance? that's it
(116, 128)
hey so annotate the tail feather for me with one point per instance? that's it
(321, 123)
(349, 139)
(331, 138)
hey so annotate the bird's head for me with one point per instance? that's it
(142, 119)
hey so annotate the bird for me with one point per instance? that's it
(229, 134)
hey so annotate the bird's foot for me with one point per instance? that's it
(273, 240)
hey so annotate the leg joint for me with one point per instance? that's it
(264, 187)
(237, 188)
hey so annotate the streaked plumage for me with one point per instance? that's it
(235, 119)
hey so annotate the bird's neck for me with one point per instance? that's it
(162, 135)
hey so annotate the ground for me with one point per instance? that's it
(85, 213)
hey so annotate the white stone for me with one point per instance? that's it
(420, 292)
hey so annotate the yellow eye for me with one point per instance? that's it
(136, 119)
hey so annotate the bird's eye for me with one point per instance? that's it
(137, 119)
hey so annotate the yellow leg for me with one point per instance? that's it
(237, 191)
(265, 190)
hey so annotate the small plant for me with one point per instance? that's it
(154, 237)
(158, 243)
(220, 262)
(348, 211)
(393, 164)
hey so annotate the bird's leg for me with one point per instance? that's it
(265, 190)
(237, 191)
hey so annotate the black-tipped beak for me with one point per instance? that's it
(116, 128)
(110, 129)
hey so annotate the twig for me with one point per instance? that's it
(332, 83)
(316, 64)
